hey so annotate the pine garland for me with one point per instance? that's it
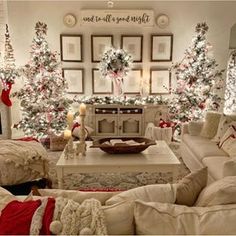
(126, 101)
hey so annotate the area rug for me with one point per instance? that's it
(120, 181)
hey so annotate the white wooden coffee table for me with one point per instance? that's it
(156, 158)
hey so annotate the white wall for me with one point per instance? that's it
(220, 16)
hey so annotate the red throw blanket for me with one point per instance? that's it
(16, 217)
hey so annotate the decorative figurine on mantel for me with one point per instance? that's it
(81, 146)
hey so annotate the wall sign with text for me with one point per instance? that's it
(117, 17)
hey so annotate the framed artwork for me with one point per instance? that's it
(132, 82)
(75, 80)
(101, 85)
(161, 47)
(99, 43)
(134, 45)
(160, 81)
(71, 47)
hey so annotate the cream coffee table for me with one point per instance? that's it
(156, 158)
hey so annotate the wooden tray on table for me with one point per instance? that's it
(118, 145)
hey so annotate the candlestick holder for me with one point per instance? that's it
(69, 148)
(81, 146)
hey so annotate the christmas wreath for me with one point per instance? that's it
(115, 63)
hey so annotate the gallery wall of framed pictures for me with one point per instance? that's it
(160, 50)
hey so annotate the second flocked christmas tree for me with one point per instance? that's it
(198, 80)
(43, 97)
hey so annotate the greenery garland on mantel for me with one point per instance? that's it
(124, 100)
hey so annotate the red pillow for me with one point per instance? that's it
(16, 217)
(47, 217)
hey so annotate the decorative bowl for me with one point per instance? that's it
(121, 148)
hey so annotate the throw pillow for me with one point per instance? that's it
(190, 186)
(229, 146)
(119, 218)
(230, 132)
(211, 123)
(220, 192)
(57, 143)
(195, 127)
(154, 218)
(5, 198)
(16, 217)
(149, 193)
(225, 122)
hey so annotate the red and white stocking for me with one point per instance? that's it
(5, 96)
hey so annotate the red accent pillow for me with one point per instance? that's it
(16, 217)
(47, 217)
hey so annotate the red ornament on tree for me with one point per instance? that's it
(202, 105)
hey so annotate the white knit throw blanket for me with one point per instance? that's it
(72, 218)
(22, 153)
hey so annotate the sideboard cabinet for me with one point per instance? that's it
(123, 121)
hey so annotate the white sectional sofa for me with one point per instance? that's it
(198, 152)
(148, 210)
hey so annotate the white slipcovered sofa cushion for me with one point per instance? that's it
(165, 218)
(215, 165)
(229, 168)
(202, 147)
(119, 218)
(149, 193)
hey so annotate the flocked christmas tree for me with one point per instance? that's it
(199, 83)
(43, 100)
(8, 71)
(230, 91)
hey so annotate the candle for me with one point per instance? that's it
(82, 109)
(67, 134)
(70, 118)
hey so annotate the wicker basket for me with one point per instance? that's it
(57, 143)
(123, 149)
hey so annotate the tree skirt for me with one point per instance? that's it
(121, 181)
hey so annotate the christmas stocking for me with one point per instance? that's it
(5, 96)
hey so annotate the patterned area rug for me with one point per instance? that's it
(121, 181)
